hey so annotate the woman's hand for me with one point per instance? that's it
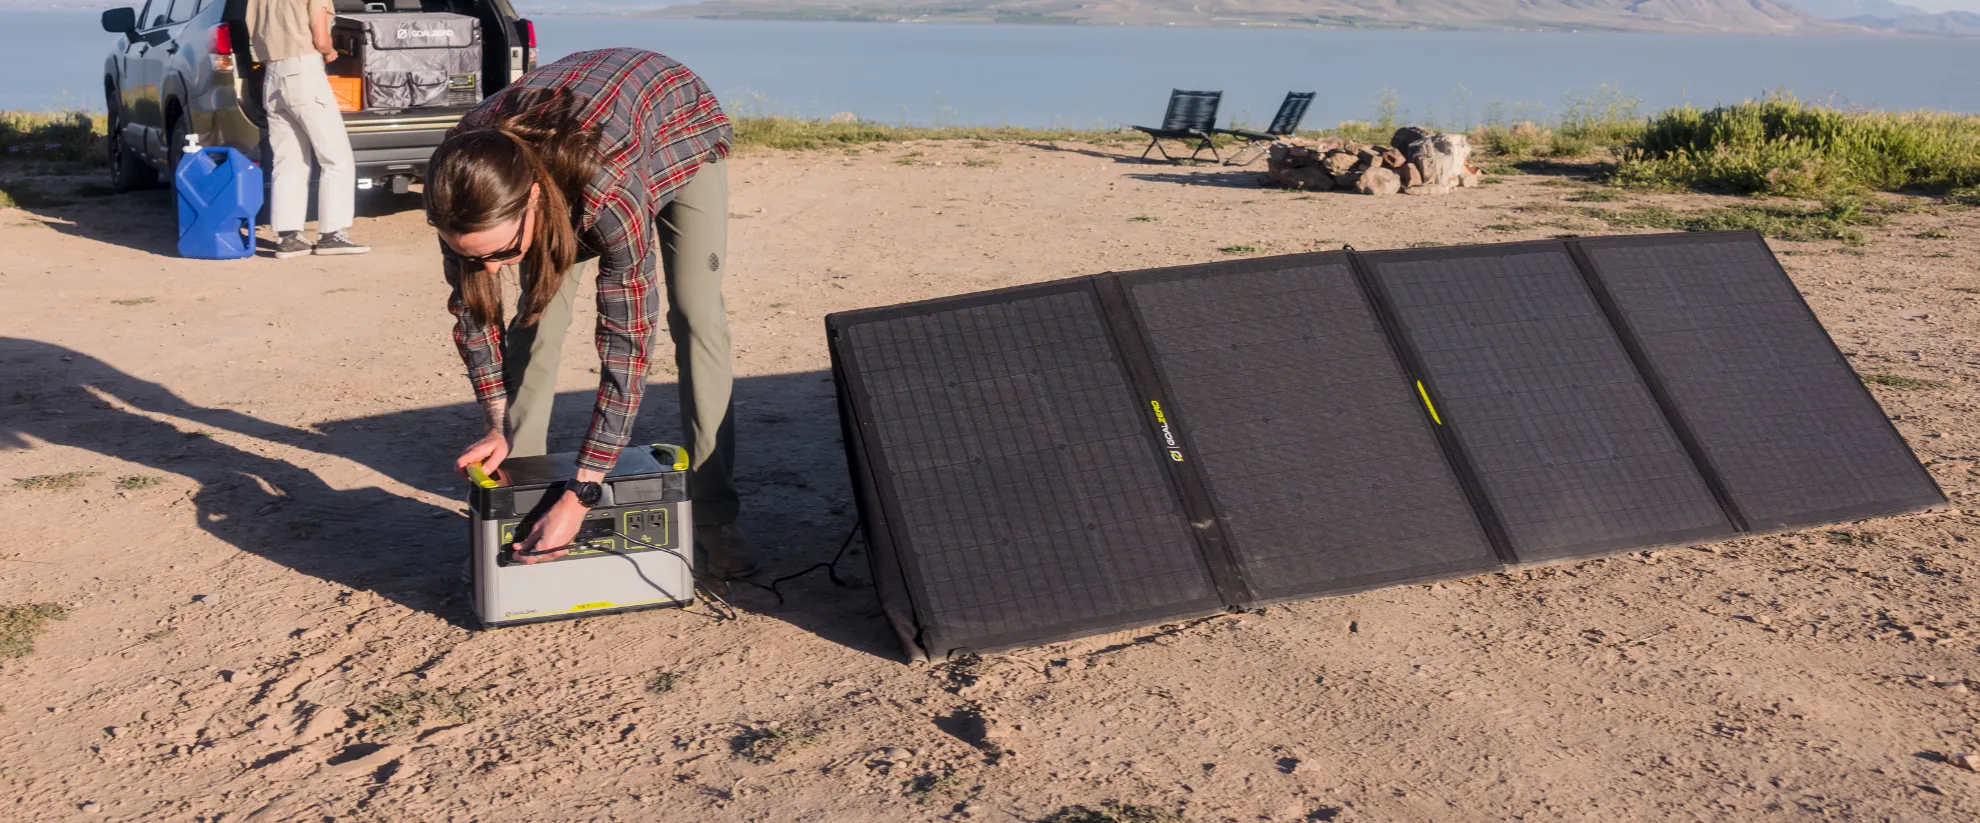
(489, 451)
(554, 530)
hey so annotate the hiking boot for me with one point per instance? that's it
(337, 242)
(723, 551)
(290, 244)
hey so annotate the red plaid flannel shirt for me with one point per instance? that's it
(657, 123)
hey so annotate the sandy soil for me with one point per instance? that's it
(245, 634)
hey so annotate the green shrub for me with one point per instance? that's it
(1782, 145)
(73, 136)
(1524, 139)
(1608, 117)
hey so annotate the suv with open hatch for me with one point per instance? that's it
(406, 70)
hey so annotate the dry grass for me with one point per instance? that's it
(1114, 812)
(1901, 382)
(804, 133)
(664, 682)
(65, 481)
(19, 625)
(767, 744)
(410, 710)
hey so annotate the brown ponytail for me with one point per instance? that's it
(480, 179)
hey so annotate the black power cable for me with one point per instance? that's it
(831, 568)
(702, 584)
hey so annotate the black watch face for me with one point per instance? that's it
(588, 493)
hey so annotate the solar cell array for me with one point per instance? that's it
(1574, 455)
(1090, 454)
(1321, 462)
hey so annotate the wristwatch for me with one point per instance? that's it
(588, 494)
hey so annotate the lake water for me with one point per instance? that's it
(1087, 76)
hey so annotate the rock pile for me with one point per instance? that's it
(1416, 161)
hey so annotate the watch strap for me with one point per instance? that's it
(590, 494)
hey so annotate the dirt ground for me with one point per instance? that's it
(275, 629)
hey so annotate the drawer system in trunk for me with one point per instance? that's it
(411, 60)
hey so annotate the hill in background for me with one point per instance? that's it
(1884, 15)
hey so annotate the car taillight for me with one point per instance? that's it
(526, 33)
(223, 48)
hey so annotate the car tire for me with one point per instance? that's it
(129, 171)
(175, 141)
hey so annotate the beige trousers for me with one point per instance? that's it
(694, 229)
(303, 121)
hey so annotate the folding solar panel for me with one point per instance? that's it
(1069, 458)
(1552, 416)
(1780, 417)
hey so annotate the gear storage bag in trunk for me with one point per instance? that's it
(415, 59)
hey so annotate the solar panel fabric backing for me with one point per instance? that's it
(1555, 421)
(1319, 459)
(1020, 478)
(1777, 412)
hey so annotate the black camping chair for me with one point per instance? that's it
(1284, 123)
(1192, 115)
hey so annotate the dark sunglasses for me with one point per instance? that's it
(505, 255)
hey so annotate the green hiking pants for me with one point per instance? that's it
(694, 229)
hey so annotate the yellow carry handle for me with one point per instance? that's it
(480, 477)
(668, 452)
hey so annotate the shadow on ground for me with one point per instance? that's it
(1590, 171)
(797, 504)
(1087, 150)
(82, 205)
(1217, 179)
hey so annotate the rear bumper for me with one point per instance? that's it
(394, 153)
(399, 145)
(382, 148)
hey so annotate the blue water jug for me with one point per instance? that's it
(219, 196)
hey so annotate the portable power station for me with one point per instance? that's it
(634, 551)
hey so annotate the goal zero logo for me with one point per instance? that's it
(418, 33)
(1168, 435)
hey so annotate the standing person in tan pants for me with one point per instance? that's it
(612, 160)
(291, 38)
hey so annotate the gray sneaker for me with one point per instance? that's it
(723, 551)
(290, 244)
(337, 242)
